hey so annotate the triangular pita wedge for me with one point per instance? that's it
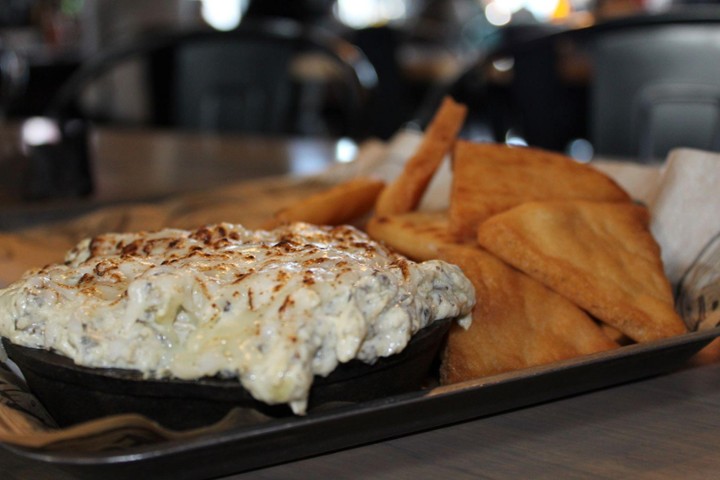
(599, 255)
(490, 178)
(417, 235)
(342, 203)
(517, 322)
(405, 192)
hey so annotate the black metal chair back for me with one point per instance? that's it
(634, 87)
(268, 77)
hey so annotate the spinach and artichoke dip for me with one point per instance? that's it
(270, 308)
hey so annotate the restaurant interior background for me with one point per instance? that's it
(419, 50)
(524, 69)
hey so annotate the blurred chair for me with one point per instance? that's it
(267, 77)
(393, 100)
(634, 87)
(13, 79)
(517, 90)
(656, 86)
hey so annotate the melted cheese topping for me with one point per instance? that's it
(270, 308)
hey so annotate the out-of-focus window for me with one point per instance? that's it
(223, 14)
(370, 13)
(503, 12)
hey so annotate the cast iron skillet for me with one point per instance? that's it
(73, 393)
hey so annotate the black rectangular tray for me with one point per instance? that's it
(246, 448)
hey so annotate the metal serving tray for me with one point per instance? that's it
(244, 448)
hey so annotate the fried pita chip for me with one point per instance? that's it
(490, 178)
(406, 191)
(343, 203)
(599, 255)
(417, 235)
(517, 322)
(614, 334)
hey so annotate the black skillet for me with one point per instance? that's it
(73, 393)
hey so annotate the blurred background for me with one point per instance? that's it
(419, 49)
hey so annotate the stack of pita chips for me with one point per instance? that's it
(562, 260)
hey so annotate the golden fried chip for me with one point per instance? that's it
(406, 191)
(517, 322)
(417, 235)
(600, 255)
(490, 178)
(614, 334)
(343, 203)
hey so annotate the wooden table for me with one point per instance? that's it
(665, 427)
(135, 165)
